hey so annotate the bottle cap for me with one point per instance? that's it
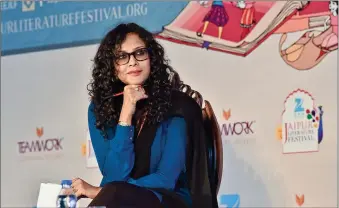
(66, 183)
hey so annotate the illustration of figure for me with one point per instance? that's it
(320, 129)
(313, 46)
(330, 42)
(300, 9)
(217, 15)
(247, 20)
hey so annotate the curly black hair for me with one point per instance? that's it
(105, 83)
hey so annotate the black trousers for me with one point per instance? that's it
(125, 195)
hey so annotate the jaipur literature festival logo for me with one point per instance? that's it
(237, 131)
(40, 147)
(301, 129)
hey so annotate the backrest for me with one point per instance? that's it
(213, 141)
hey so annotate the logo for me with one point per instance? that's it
(28, 6)
(83, 149)
(40, 146)
(229, 200)
(299, 199)
(91, 161)
(302, 123)
(39, 132)
(236, 131)
(226, 114)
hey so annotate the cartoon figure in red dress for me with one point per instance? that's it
(247, 19)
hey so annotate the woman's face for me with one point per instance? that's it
(132, 61)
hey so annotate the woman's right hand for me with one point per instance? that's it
(132, 94)
(82, 188)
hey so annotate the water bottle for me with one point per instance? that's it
(66, 197)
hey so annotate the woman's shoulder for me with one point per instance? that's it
(184, 99)
(183, 103)
(91, 105)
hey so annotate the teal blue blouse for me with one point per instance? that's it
(115, 156)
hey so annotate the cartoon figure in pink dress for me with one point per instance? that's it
(247, 19)
(313, 46)
(330, 42)
(217, 15)
(327, 41)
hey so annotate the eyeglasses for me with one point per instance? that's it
(139, 54)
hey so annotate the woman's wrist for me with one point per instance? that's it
(122, 123)
(96, 191)
(125, 117)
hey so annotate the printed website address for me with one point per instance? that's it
(74, 18)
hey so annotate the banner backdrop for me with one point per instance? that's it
(36, 25)
(269, 69)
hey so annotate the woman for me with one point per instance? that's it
(140, 145)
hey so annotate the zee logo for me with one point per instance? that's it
(229, 200)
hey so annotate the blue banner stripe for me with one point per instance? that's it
(42, 25)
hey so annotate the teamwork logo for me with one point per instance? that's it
(236, 128)
(302, 123)
(41, 148)
(40, 145)
(237, 131)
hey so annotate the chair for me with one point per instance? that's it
(214, 141)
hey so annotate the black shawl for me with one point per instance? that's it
(196, 160)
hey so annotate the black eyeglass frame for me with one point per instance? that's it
(134, 55)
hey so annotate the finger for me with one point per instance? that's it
(132, 91)
(136, 93)
(79, 192)
(127, 87)
(133, 85)
(140, 96)
(77, 188)
(138, 88)
(74, 179)
(76, 183)
(142, 89)
(78, 195)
